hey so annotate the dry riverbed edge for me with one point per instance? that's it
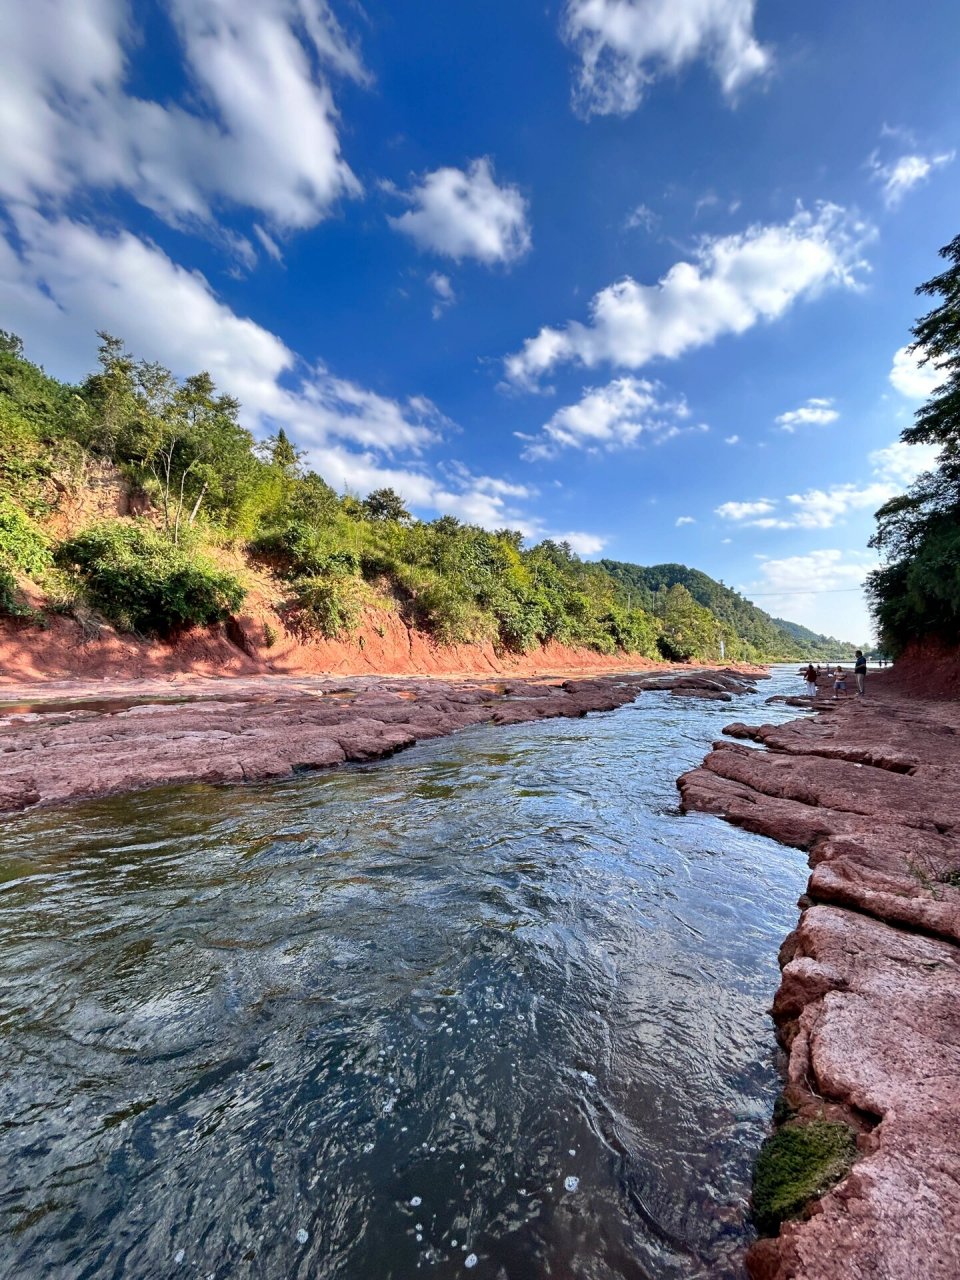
(868, 1009)
(77, 741)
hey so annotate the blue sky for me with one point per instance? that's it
(633, 272)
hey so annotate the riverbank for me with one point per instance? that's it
(67, 740)
(868, 1009)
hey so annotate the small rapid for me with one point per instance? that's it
(491, 1007)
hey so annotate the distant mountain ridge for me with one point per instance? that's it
(766, 636)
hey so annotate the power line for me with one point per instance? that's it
(826, 591)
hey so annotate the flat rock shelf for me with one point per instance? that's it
(868, 1008)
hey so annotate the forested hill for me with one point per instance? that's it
(772, 637)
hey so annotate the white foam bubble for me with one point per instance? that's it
(416, 1200)
(303, 1236)
(571, 1183)
(471, 1260)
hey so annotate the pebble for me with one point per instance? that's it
(303, 1236)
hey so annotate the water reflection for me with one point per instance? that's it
(488, 1006)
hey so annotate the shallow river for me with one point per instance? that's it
(489, 1008)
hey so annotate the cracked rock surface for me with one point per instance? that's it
(95, 741)
(868, 1009)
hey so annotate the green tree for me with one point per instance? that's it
(385, 504)
(916, 594)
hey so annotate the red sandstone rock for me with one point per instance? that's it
(869, 1002)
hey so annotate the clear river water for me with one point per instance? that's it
(489, 1008)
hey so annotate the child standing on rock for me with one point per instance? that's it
(839, 683)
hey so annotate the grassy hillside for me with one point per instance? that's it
(140, 499)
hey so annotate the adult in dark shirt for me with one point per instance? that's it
(860, 671)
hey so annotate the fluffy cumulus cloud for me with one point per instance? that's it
(912, 379)
(822, 589)
(71, 120)
(733, 283)
(893, 469)
(817, 411)
(465, 214)
(614, 416)
(625, 45)
(62, 280)
(900, 176)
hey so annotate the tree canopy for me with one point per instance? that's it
(915, 595)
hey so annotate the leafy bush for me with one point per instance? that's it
(138, 579)
(298, 550)
(22, 545)
(330, 605)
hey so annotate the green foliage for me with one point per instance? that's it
(797, 1164)
(329, 606)
(916, 593)
(298, 550)
(138, 579)
(22, 544)
(182, 442)
(384, 504)
(753, 634)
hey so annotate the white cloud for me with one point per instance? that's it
(584, 544)
(467, 215)
(625, 45)
(912, 379)
(900, 176)
(817, 411)
(734, 282)
(893, 468)
(65, 280)
(256, 127)
(901, 463)
(819, 590)
(268, 243)
(614, 416)
(731, 439)
(745, 510)
(642, 218)
(445, 295)
(681, 520)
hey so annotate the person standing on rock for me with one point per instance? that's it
(839, 683)
(811, 678)
(860, 671)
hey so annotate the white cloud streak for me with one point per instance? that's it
(64, 280)
(900, 176)
(69, 121)
(817, 412)
(626, 45)
(893, 468)
(733, 283)
(465, 214)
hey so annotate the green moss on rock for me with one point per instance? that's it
(797, 1164)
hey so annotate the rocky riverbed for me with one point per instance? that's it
(868, 1010)
(70, 739)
